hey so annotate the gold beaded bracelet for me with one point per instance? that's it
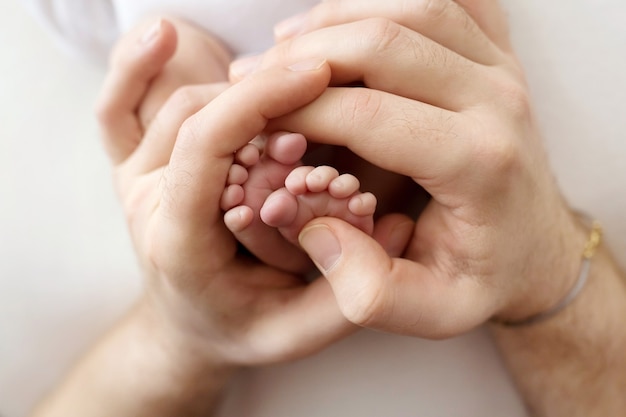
(595, 237)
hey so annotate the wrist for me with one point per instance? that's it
(178, 357)
(137, 370)
(173, 335)
(574, 363)
(554, 271)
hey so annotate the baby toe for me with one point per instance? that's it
(286, 148)
(238, 218)
(248, 155)
(232, 196)
(362, 204)
(319, 179)
(344, 186)
(279, 209)
(237, 174)
(296, 180)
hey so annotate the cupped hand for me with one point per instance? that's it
(170, 178)
(445, 103)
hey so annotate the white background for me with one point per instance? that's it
(66, 266)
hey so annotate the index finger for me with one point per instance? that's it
(206, 142)
(433, 146)
(443, 21)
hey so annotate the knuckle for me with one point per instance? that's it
(359, 106)
(500, 151)
(367, 306)
(184, 100)
(499, 156)
(132, 204)
(430, 10)
(385, 35)
(189, 135)
(288, 51)
(324, 14)
(517, 101)
(512, 96)
(507, 155)
(356, 315)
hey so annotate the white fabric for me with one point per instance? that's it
(574, 54)
(89, 27)
(245, 26)
(84, 27)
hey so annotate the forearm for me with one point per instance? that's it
(135, 371)
(574, 364)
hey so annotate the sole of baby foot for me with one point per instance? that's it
(242, 201)
(289, 213)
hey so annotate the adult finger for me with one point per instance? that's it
(391, 294)
(210, 61)
(388, 57)
(156, 147)
(204, 149)
(435, 147)
(315, 303)
(136, 60)
(492, 20)
(443, 21)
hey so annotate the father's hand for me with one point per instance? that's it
(446, 105)
(170, 180)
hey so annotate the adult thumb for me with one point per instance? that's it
(358, 266)
(376, 289)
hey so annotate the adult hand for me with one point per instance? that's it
(205, 309)
(148, 64)
(446, 105)
(200, 293)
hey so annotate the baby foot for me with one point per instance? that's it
(318, 192)
(260, 168)
(268, 199)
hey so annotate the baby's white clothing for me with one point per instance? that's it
(89, 28)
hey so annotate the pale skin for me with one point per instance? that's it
(198, 58)
(160, 72)
(270, 196)
(493, 184)
(206, 311)
(490, 180)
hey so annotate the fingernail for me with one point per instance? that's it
(152, 33)
(290, 27)
(322, 247)
(245, 66)
(307, 65)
